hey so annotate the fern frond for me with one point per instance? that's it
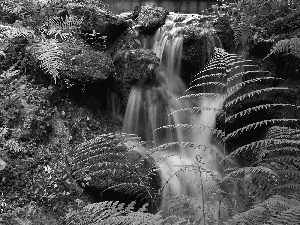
(200, 95)
(251, 94)
(63, 26)
(256, 170)
(219, 84)
(218, 133)
(255, 125)
(290, 216)
(50, 56)
(284, 158)
(288, 45)
(198, 109)
(294, 186)
(260, 143)
(254, 80)
(218, 75)
(256, 216)
(282, 132)
(255, 109)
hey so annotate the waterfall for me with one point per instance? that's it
(186, 172)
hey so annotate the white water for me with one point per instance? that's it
(187, 173)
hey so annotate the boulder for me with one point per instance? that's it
(132, 66)
(98, 22)
(149, 18)
(79, 61)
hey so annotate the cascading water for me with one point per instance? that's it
(186, 172)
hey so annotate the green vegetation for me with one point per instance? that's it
(52, 145)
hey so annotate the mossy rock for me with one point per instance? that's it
(98, 21)
(79, 61)
(132, 66)
(150, 18)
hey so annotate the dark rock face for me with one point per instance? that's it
(132, 66)
(98, 22)
(149, 18)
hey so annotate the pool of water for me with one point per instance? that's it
(183, 6)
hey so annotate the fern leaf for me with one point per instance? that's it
(256, 170)
(255, 109)
(254, 80)
(255, 125)
(290, 216)
(50, 55)
(251, 94)
(198, 109)
(63, 26)
(258, 144)
(201, 95)
(218, 133)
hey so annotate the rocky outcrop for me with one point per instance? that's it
(98, 22)
(149, 18)
(132, 66)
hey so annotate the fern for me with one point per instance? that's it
(63, 27)
(111, 213)
(291, 46)
(50, 54)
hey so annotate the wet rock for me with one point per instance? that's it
(150, 18)
(132, 66)
(79, 61)
(98, 22)
(198, 46)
